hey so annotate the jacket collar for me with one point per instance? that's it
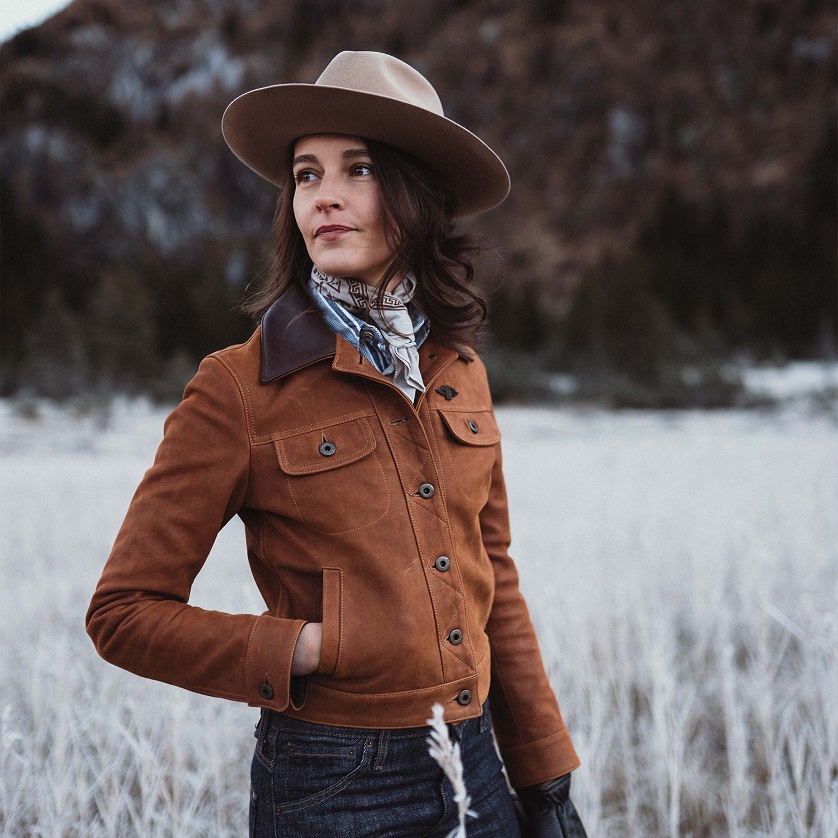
(294, 335)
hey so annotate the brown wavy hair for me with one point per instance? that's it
(418, 212)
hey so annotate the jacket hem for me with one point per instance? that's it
(410, 708)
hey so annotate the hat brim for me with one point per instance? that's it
(260, 125)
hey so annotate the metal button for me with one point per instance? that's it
(464, 697)
(426, 490)
(266, 691)
(328, 448)
(442, 563)
(455, 637)
(473, 426)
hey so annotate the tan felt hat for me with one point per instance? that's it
(373, 95)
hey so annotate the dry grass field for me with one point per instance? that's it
(682, 571)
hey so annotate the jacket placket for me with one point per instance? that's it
(407, 430)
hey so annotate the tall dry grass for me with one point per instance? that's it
(682, 572)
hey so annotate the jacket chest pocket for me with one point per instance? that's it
(334, 475)
(472, 438)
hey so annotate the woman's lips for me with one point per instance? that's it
(330, 232)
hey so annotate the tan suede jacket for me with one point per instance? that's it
(385, 520)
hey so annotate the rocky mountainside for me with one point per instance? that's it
(130, 230)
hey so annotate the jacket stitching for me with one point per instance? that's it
(435, 447)
(435, 688)
(247, 657)
(453, 587)
(431, 512)
(340, 623)
(352, 529)
(220, 693)
(282, 592)
(414, 525)
(344, 460)
(244, 393)
(509, 702)
(298, 430)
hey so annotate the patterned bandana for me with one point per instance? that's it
(392, 319)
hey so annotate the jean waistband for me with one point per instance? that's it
(272, 719)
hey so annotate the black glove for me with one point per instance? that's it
(545, 811)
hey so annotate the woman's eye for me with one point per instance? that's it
(304, 176)
(362, 169)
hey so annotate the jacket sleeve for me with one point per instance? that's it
(533, 739)
(139, 618)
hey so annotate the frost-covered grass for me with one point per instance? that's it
(682, 571)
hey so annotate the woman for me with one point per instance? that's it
(354, 436)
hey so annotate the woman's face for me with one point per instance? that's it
(337, 207)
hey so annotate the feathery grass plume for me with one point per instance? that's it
(447, 754)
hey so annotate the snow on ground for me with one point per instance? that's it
(682, 572)
(792, 381)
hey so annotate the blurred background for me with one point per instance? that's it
(669, 242)
(672, 219)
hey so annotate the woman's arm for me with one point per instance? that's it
(532, 736)
(139, 618)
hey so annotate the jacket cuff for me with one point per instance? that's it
(541, 761)
(270, 651)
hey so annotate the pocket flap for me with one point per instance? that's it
(473, 427)
(331, 446)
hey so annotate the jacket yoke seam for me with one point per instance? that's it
(263, 439)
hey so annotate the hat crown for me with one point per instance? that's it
(380, 75)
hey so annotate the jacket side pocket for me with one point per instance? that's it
(332, 620)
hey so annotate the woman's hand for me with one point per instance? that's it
(307, 651)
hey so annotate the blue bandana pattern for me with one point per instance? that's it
(365, 337)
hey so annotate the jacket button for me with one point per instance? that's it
(266, 691)
(464, 697)
(473, 427)
(426, 490)
(455, 637)
(442, 563)
(328, 448)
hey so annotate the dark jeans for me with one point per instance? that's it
(312, 780)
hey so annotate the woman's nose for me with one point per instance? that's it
(328, 195)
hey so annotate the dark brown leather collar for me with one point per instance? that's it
(294, 335)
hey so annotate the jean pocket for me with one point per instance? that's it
(320, 767)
